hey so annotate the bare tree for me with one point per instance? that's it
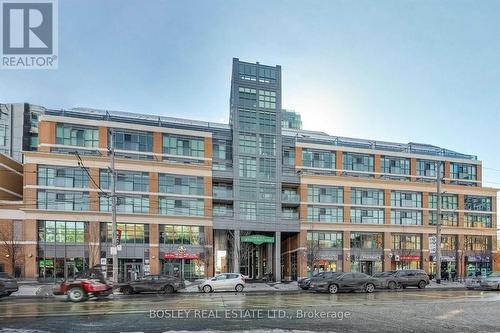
(10, 245)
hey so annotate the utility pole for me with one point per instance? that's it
(438, 222)
(114, 248)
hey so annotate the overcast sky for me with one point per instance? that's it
(419, 71)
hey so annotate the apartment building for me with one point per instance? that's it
(259, 195)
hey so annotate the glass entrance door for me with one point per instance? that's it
(132, 271)
(366, 267)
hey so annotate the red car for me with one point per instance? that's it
(89, 283)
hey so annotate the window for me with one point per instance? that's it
(248, 143)
(289, 157)
(130, 233)
(406, 242)
(248, 120)
(395, 165)
(267, 99)
(267, 168)
(223, 210)
(181, 207)
(461, 171)
(178, 184)
(290, 213)
(369, 197)
(183, 146)
(248, 190)
(448, 242)
(62, 177)
(126, 204)
(267, 191)
(478, 243)
(477, 220)
(267, 122)
(406, 199)
(367, 216)
(126, 181)
(247, 72)
(448, 201)
(181, 234)
(426, 168)
(76, 135)
(247, 167)
(325, 194)
(324, 240)
(367, 241)
(248, 210)
(290, 195)
(133, 140)
(325, 214)
(247, 97)
(406, 217)
(3, 134)
(477, 203)
(318, 159)
(449, 219)
(61, 232)
(267, 75)
(221, 150)
(358, 162)
(266, 210)
(63, 200)
(267, 145)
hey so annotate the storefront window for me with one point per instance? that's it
(61, 232)
(130, 233)
(371, 241)
(181, 234)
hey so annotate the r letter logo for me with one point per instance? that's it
(29, 34)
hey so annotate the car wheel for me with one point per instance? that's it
(392, 285)
(369, 288)
(127, 290)
(207, 289)
(168, 289)
(333, 289)
(239, 288)
(422, 284)
(76, 294)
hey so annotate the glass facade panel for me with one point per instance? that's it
(406, 242)
(367, 241)
(318, 159)
(325, 194)
(477, 203)
(448, 201)
(181, 235)
(366, 196)
(125, 181)
(181, 207)
(183, 146)
(325, 214)
(126, 204)
(179, 184)
(133, 140)
(61, 232)
(324, 240)
(478, 243)
(477, 220)
(76, 135)
(406, 199)
(63, 200)
(62, 177)
(367, 216)
(395, 165)
(406, 217)
(358, 162)
(131, 233)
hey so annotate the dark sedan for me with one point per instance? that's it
(8, 284)
(402, 278)
(333, 282)
(153, 283)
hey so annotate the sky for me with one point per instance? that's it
(403, 71)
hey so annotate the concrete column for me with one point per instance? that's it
(346, 254)
(387, 251)
(338, 162)
(377, 165)
(236, 251)
(425, 252)
(154, 249)
(347, 202)
(277, 256)
(261, 258)
(387, 202)
(413, 169)
(269, 257)
(302, 255)
(425, 204)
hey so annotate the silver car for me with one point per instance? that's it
(491, 281)
(225, 281)
(8, 284)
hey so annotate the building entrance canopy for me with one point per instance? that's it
(257, 239)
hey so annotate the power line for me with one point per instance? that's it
(80, 163)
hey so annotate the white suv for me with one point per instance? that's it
(224, 281)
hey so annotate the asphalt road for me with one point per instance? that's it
(383, 311)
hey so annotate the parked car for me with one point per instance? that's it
(402, 278)
(304, 283)
(8, 284)
(225, 281)
(152, 283)
(334, 282)
(491, 281)
(88, 283)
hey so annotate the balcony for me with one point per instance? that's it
(222, 193)
(290, 198)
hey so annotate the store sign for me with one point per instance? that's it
(183, 255)
(257, 239)
(432, 244)
(103, 261)
(401, 258)
(478, 259)
(370, 257)
(46, 263)
(326, 258)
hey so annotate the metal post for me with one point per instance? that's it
(114, 249)
(438, 222)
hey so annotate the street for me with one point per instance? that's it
(383, 311)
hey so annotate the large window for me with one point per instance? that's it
(62, 177)
(267, 145)
(223, 210)
(406, 217)
(366, 196)
(318, 159)
(61, 232)
(247, 167)
(324, 240)
(406, 242)
(183, 146)
(178, 184)
(133, 140)
(248, 210)
(477, 203)
(182, 207)
(448, 242)
(247, 96)
(267, 122)
(126, 204)
(181, 234)
(426, 168)
(477, 220)
(461, 171)
(126, 181)
(267, 75)
(395, 165)
(478, 243)
(76, 135)
(358, 162)
(289, 157)
(325, 194)
(448, 219)
(406, 199)
(448, 201)
(248, 120)
(3, 134)
(267, 168)
(267, 99)
(248, 143)
(131, 233)
(247, 72)
(368, 241)
(325, 214)
(63, 200)
(367, 216)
